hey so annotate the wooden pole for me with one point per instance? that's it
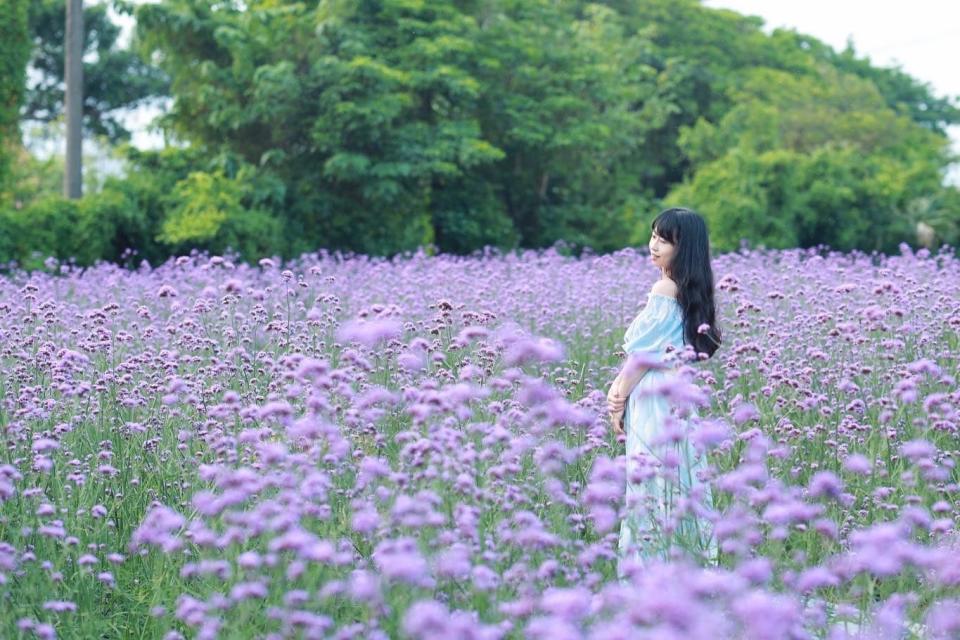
(73, 74)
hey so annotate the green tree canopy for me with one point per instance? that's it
(381, 126)
(396, 123)
(810, 159)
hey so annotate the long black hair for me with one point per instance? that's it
(690, 268)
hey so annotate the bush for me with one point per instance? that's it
(209, 210)
(101, 226)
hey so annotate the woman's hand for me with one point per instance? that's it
(616, 404)
(616, 421)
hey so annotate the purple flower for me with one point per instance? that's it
(411, 361)
(365, 519)
(527, 350)
(765, 615)
(400, 559)
(710, 434)
(535, 391)
(924, 365)
(249, 560)
(454, 562)
(470, 333)
(815, 578)
(426, 619)
(857, 463)
(825, 483)
(370, 332)
(570, 604)
(43, 445)
(247, 591)
(756, 570)
(166, 291)
(157, 529)
(745, 412)
(484, 578)
(916, 450)
(943, 618)
(87, 559)
(551, 628)
(882, 549)
(363, 586)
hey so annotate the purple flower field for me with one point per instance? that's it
(350, 447)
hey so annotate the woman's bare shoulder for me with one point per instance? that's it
(665, 287)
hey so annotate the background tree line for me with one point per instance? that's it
(380, 126)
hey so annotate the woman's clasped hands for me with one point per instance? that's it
(616, 404)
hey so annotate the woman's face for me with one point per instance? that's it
(661, 251)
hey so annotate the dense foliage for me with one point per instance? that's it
(379, 127)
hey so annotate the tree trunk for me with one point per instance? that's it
(73, 75)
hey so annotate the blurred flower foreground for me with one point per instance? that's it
(349, 447)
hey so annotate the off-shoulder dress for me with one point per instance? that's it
(665, 500)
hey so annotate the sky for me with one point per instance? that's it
(921, 36)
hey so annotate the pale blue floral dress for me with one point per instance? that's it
(656, 496)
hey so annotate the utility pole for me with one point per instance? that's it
(73, 74)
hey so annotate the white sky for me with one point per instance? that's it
(921, 36)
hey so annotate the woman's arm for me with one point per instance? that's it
(628, 378)
(623, 385)
(620, 390)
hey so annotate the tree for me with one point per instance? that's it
(576, 106)
(381, 126)
(358, 117)
(395, 123)
(807, 160)
(902, 92)
(14, 52)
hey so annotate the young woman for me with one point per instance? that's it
(663, 491)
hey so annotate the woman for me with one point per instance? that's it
(663, 491)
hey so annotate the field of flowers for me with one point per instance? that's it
(349, 447)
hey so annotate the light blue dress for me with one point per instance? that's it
(658, 521)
